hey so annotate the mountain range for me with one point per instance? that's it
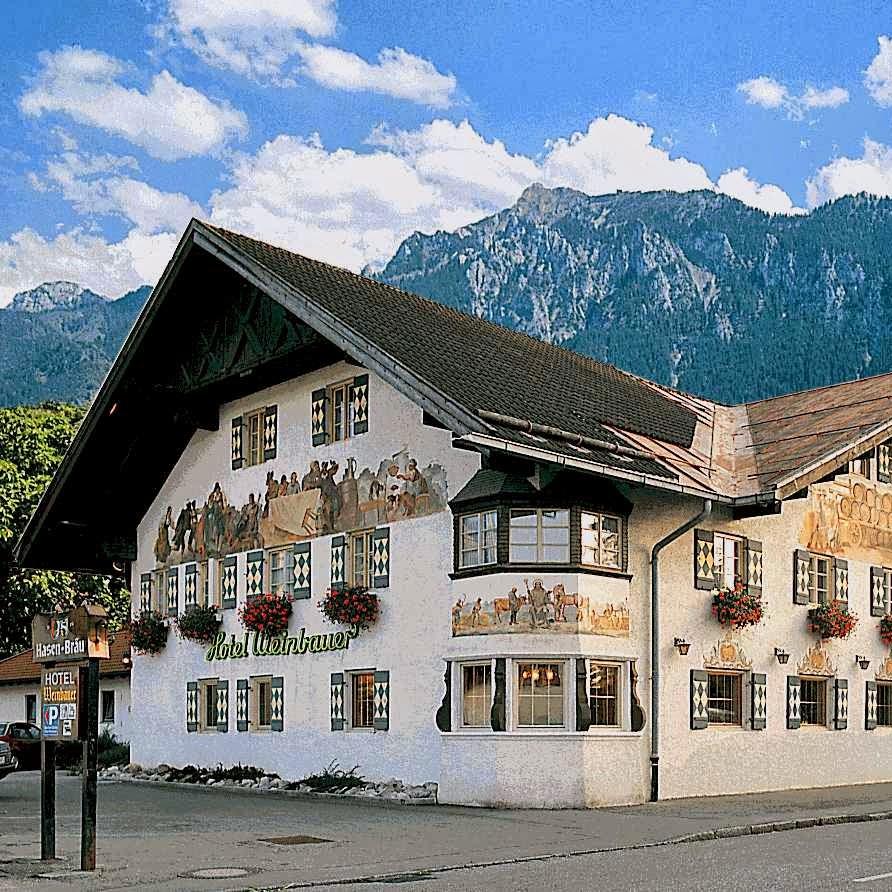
(694, 290)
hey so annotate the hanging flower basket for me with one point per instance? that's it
(266, 613)
(832, 620)
(355, 606)
(737, 607)
(149, 633)
(199, 624)
(885, 627)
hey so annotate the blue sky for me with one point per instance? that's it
(338, 129)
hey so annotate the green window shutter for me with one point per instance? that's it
(497, 717)
(759, 700)
(223, 706)
(444, 711)
(704, 560)
(254, 574)
(794, 710)
(841, 580)
(754, 566)
(277, 704)
(191, 706)
(241, 704)
(145, 592)
(699, 699)
(319, 417)
(238, 446)
(337, 701)
(583, 706)
(173, 591)
(360, 397)
(877, 599)
(870, 706)
(801, 563)
(381, 707)
(338, 562)
(302, 569)
(229, 581)
(190, 587)
(841, 700)
(884, 463)
(381, 557)
(270, 432)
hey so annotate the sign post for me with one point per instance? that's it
(70, 645)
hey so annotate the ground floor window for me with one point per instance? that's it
(476, 693)
(724, 698)
(362, 699)
(813, 701)
(262, 690)
(540, 695)
(208, 691)
(107, 707)
(884, 704)
(31, 708)
(604, 685)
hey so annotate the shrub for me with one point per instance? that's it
(199, 624)
(111, 750)
(149, 633)
(737, 607)
(239, 773)
(266, 613)
(355, 606)
(331, 779)
(832, 620)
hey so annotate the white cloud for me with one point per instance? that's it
(396, 73)
(616, 153)
(878, 77)
(27, 259)
(772, 199)
(872, 173)
(771, 94)
(170, 120)
(252, 37)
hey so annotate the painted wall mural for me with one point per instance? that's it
(539, 610)
(850, 517)
(293, 507)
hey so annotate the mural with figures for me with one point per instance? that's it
(324, 499)
(539, 609)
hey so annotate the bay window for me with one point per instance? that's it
(540, 695)
(539, 535)
(477, 533)
(604, 698)
(601, 544)
(476, 695)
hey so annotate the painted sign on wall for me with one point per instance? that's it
(58, 703)
(850, 517)
(539, 609)
(294, 506)
(256, 644)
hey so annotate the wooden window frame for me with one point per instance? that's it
(486, 666)
(600, 515)
(739, 558)
(256, 717)
(31, 699)
(367, 538)
(820, 701)
(159, 592)
(887, 590)
(884, 710)
(481, 532)
(204, 686)
(253, 448)
(540, 527)
(617, 696)
(533, 663)
(360, 716)
(735, 698)
(815, 598)
(347, 422)
(105, 697)
(287, 554)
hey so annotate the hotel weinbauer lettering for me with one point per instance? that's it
(312, 430)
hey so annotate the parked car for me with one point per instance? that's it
(7, 760)
(24, 742)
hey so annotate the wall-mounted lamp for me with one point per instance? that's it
(782, 656)
(682, 646)
(863, 662)
(127, 659)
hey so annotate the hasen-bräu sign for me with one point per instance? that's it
(79, 634)
(257, 644)
(59, 697)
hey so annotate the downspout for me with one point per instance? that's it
(655, 645)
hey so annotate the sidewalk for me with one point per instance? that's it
(155, 835)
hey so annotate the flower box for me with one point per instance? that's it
(737, 607)
(266, 613)
(832, 620)
(356, 606)
(199, 624)
(149, 633)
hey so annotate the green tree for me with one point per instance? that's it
(33, 440)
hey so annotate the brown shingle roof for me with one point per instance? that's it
(20, 668)
(478, 364)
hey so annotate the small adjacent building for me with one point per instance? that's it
(20, 688)
(545, 533)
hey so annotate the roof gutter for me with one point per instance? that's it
(655, 643)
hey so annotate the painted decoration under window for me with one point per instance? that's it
(817, 661)
(538, 606)
(727, 653)
(293, 506)
(884, 670)
(850, 517)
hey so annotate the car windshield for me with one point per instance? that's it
(4, 729)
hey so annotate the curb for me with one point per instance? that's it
(291, 794)
(702, 836)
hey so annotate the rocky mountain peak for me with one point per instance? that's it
(53, 296)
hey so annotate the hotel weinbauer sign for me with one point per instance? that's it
(257, 644)
(59, 695)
